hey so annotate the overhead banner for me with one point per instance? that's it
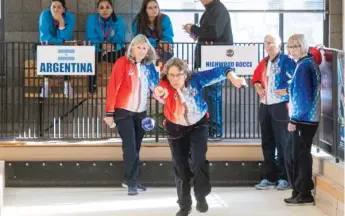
(243, 59)
(65, 60)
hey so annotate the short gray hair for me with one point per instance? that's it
(151, 53)
(301, 41)
(276, 38)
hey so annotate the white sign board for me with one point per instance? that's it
(65, 60)
(243, 59)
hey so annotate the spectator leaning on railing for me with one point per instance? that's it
(157, 27)
(107, 31)
(56, 27)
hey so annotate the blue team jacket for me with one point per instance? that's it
(52, 34)
(167, 28)
(305, 86)
(99, 30)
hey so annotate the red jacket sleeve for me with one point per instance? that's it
(164, 84)
(316, 55)
(114, 84)
(258, 73)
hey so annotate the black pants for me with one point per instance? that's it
(131, 132)
(110, 57)
(190, 142)
(298, 158)
(273, 121)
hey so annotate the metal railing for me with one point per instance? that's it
(330, 135)
(25, 114)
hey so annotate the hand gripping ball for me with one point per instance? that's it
(148, 123)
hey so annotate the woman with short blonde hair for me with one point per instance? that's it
(126, 103)
(304, 113)
(298, 41)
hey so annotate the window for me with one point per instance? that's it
(309, 24)
(252, 27)
(241, 5)
(178, 19)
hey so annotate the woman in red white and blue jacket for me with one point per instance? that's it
(132, 77)
(186, 124)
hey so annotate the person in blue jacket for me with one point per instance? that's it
(56, 26)
(107, 31)
(156, 26)
(304, 113)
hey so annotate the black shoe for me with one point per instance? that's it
(293, 196)
(141, 187)
(202, 205)
(132, 191)
(301, 200)
(184, 212)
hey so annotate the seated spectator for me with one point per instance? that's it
(107, 31)
(156, 26)
(56, 26)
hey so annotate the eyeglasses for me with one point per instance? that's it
(293, 47)
(269, 43)
(178, 76)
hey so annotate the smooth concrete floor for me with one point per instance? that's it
(229, 201)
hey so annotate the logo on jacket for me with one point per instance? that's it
(230, 53)
(112, 33)
(131, 72)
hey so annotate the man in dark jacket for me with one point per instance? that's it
(215, 28)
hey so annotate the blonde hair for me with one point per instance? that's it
(300, 40)
(151, 56)
(180, 64)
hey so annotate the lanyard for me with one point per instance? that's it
(105, 34)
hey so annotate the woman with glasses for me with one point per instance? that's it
(304, 112)
(186, 124)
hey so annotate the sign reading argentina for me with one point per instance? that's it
(65, 60)
(243, 59)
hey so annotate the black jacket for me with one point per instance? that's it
(215, 25)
